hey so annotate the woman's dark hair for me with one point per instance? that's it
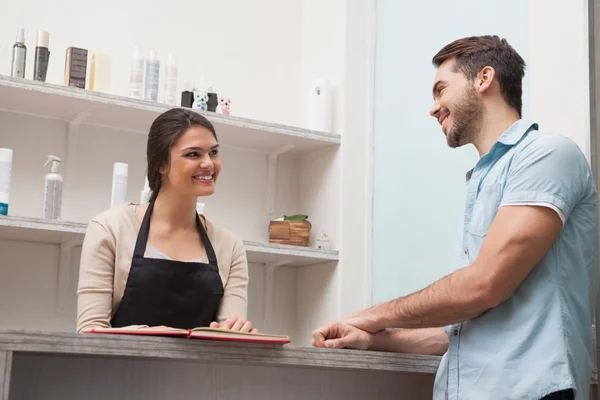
(163, 133)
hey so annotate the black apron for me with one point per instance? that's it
(172, 293)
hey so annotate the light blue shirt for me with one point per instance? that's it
(539, 341)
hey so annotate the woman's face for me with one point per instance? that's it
(195, 163)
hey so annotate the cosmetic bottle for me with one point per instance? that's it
(136, 76)
(42, 56)
(145, 193)
(152, 75)
(119, 183)
(171, 82)
(6, 156)
(19, 56)
(53, 182)
(200, 205)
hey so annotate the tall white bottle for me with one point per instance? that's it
(6, 156)
(119, 183)
(152, 75)
(145, 193)
(136, 78)
(171, 82)
(319, 106)
(53, 183)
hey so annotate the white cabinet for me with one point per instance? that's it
(268, 170)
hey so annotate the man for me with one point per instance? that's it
(514, 318)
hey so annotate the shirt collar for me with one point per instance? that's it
(512, 136)
(516, 131)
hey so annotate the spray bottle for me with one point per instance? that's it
(53, 182)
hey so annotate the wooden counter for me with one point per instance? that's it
(35, 365)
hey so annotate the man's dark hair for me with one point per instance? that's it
(474, 53)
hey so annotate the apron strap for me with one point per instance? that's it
(142, 239)
(210, 252)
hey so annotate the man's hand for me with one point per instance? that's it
(234, 323)
(338, 335)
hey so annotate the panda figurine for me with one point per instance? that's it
(224, 106)
(200, 100)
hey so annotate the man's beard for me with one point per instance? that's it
(467, 119)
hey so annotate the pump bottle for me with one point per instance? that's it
(53, 182)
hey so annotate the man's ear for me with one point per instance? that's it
(484, 79)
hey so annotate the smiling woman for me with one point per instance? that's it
(161, 263)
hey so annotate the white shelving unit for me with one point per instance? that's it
(83, 106)
(279, 167)
(60, 232)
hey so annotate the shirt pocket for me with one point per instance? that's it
(485, 209)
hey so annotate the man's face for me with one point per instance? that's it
(456, 105)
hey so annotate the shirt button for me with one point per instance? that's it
(467, 252)
(455, 331)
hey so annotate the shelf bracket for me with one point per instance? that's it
(269, 290)
(272, 176)
(71, 143)
(64, 273)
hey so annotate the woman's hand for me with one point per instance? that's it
(234, 323)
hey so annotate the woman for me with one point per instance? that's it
(160, 263)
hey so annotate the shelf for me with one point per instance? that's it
(60, 232)
(66, 103)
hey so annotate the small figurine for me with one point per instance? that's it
(200, 100)
(323, 242)
(224, 106)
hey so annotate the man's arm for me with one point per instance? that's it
(516, 241)
(427, 341)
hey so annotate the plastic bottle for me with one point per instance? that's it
(136, 78)
(145, 193)
(19, 56)
(152, 75)
(200, 206)
(53, 182)
(6, 156)
(171, 82)
(119, 183)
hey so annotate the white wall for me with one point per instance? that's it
(261, 53)
(559, 68)
(419, 181)
(264, 60)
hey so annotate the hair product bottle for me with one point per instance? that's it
(53, 182)
(42, 56)
(152, 74)
(119, 183)
(19, 56)
(171, 82)
(6, 156)
(136, 77)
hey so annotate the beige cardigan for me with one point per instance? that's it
(106, 259)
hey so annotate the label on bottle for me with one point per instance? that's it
(52, 203)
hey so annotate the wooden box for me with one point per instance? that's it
(295, 233)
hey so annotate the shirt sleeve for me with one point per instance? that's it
(235, 297)
(548, 169)
(96, 278)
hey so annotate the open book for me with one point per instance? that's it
(195, 333)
